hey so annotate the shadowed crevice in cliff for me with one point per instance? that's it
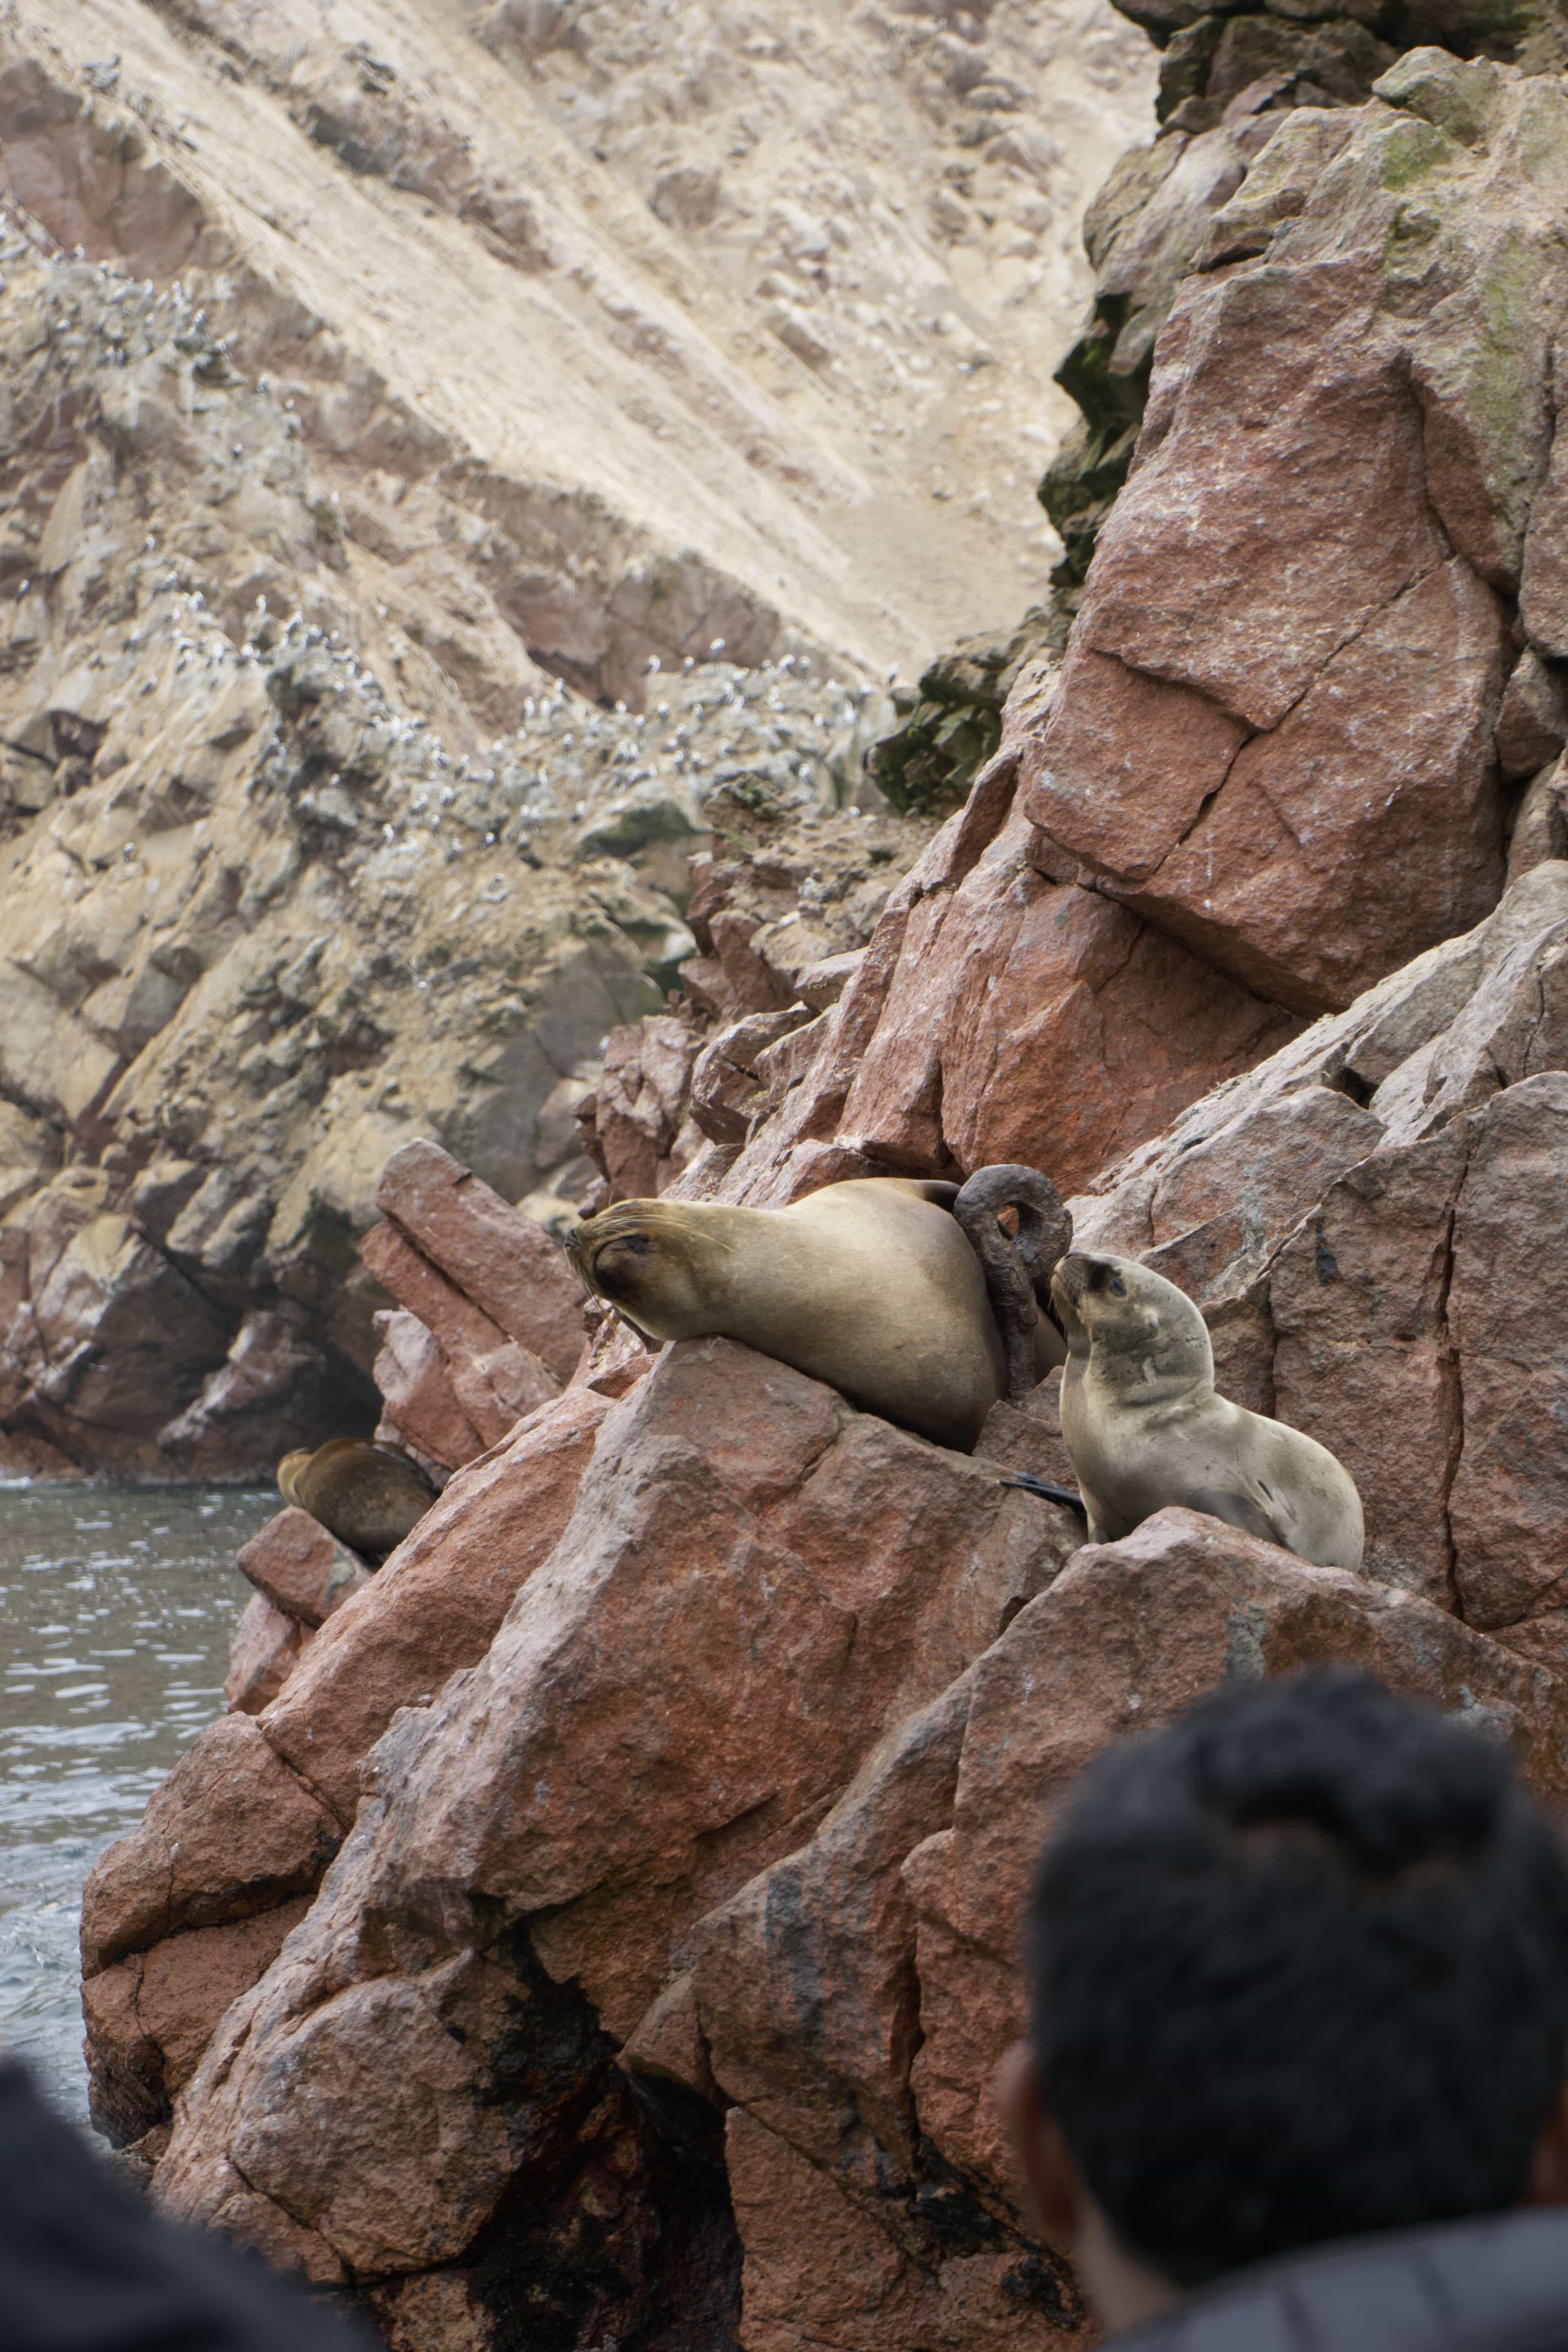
(618, 2229)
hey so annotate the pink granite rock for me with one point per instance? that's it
(1324, 504)
(498, 1259)
(435, 1606)
(632, 1123)
(261, 1656)
(301, 1570)
(495, 1380)
(232, 1831)
(984, 985)
(419, 1408)
(1127, 1635)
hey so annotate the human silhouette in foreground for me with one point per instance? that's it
(1299, 2010)
(85, 2265)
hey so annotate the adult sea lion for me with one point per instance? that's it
(1145, 1429)
(868, 1285)
(366, 1494)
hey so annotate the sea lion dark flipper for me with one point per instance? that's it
(1019, 1269)
(1033, 1485)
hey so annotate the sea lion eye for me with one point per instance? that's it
(1116, 1287)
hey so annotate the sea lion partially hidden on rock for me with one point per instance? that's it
(366, 1494)
(1145, 1428)
(868, 1285)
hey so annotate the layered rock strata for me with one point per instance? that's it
(261, 926)
(358, 712)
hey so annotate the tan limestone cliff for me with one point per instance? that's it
(441, 450)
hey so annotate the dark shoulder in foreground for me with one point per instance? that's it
(1500, 2282)
(85, 2264)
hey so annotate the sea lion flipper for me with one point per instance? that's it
(1018, 1268)
(1043, 1487)
(1239, 1508)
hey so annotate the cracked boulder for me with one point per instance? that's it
(779, 1983)
(994, 1015)
(757, 1606)
(1288, 665)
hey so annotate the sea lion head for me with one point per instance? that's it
(653, 1260)
(289, 1470)
(1139, 1328)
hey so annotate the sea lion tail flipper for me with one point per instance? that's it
(1017, 1268)
(1033, 1485)
(1045, 1225)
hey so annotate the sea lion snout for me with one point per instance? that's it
(646, 1258)
(603, 1251)
(1069, 1279)
(577, 1242)
(1078, 1276)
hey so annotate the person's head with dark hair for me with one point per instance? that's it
(1300, 1966)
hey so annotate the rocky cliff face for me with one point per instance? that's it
(700, 1739)
(440, 452)
(600, 1925)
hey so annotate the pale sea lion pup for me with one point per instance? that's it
(868, 1285)
(368, 1495)
(1145, 1429)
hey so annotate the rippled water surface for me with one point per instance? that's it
(116, 1608)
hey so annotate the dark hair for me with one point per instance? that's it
(1300, 1971)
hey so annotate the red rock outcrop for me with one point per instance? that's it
(996, 1016)
(1293, 673)
(830, 1988)
(301, 1569)
(1213, 757)
(455, 1375)
(1357, 1219)
(260, 1804)
(672, 1937)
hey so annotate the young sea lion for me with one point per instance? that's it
(868, 1285)
(1145, 1429)
(367, 1495)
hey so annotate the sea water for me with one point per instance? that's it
(116, 1608)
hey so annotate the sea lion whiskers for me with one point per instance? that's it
(641, 1258)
